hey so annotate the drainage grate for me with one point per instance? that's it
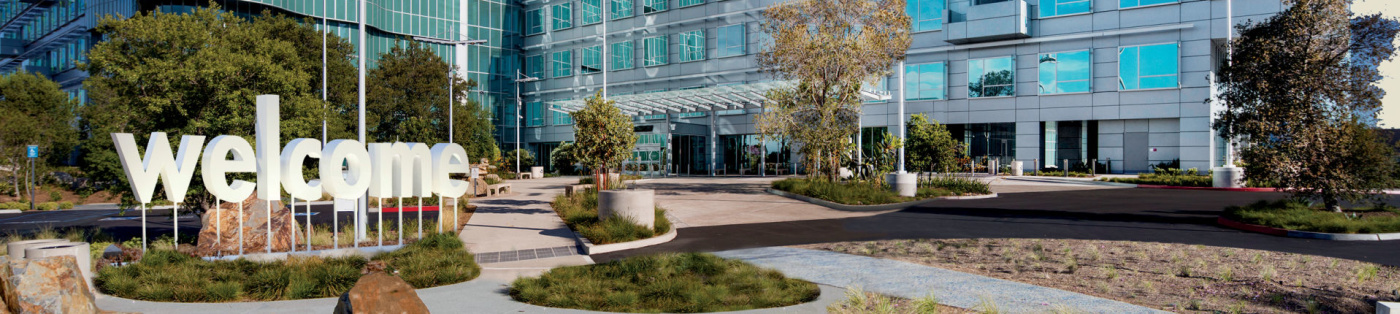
(523, 255)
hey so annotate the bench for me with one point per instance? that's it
(500, 188)
(526, 175)
(571, 189)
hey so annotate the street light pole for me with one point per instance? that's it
(519, 78)
(363, 206)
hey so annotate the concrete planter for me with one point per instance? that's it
(536, 172)
(1017, 168)
(81, 251)
(16, 249)
(1227, 177)
(905, 184)
(638, 205)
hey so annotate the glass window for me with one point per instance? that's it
(1123, 4)
(1065, 72)
(534, 22)
(592, 11)
(559, 116)
(992, 77)
(686, 3)
(563, 63)
(1146, 67)
(534, 114)
(732, 40)
(621, 9)
(655, 51)
(592, 60)
(1050, 8)
(621, 55)
(563, 16)
(693, 45)
(653, 6)
(925, 15)
(534, 66)
(926, 81)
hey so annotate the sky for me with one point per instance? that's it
(1390, 105)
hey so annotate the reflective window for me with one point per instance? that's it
(592, 11)
(1146, 67)
(693, 46)
(621, 55)
(991, 77)
(563, 63)
(563, 16)
(686, 3)
(1122, 4)
(559, 116)
(925, 15)
(1050, 8)
(1065, 72)
(732, 40)
(621, 9)
(592, 60)
(655, 51)
(926, 81)
(534, 22)
(534, 114)
(653, 6)
(534, 66)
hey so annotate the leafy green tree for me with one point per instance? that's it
(407, 101)
(563, 158)
(830, 48)
(36, 112)
(527, 160)
(197, 74)
(931, 147)
(1297, 89)
(603, 136)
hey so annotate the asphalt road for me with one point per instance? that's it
(1152, 215)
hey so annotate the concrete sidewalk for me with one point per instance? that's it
(520, 220)
(910, 280)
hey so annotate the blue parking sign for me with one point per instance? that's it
(33, 151)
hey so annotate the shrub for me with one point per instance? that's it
(866, 192)
(14, 205)
(65, 205)
(55, 195)
(527, 160)
(957, 185)
(580, 213)
(675, 283)
(1295, 215)
(47, 206)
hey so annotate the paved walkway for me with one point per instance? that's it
(520, 220)
(913, 281)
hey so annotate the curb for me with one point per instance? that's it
(871, 208)
(589, 248)
(1202, 188)
(1308, 234)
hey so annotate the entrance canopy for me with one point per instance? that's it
(698, 99)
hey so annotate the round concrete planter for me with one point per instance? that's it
(637, 205)
(81, 251)
(1227, 177)
(536, 172)
(905, 184)
(16, 249)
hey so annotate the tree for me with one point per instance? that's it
(527, 160)
(198, 74)
(830, 48)
(603, 136)
(930, 146)
(562, 158)
(407, 101)
(1297, 89)
(36, 112)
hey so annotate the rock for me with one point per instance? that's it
(479, 186)
(220, 231)
(46, 285)
(381, 293)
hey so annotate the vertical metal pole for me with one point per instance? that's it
(400, 204)
(175, 221)
(441, 217)
(291, 224)
(605, 58)
(364, 198)
(240, 226)
(308, 225)
(1229, 49)
(420, 217)
(143, 229)
(379, 229)
(335, 226)
(325, 28)
(900, 70)
(451, 127)
(31, 183)
(218, 221)
(269, 226)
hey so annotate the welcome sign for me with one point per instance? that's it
(381, 169)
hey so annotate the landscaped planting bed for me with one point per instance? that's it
(859, 301)
(580, 213)
(1171, 277)
(673, 283)
(1294, 215)
(164, 275)
(875, 193)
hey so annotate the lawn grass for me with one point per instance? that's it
(873, 193)
(1294, 215)
(169, 276)
(673, 283)
(580, 213)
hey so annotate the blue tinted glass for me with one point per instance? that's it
(1128, 68)
(1151, 2)
(974, 78)
(911, 82)
(1047, 73)
(1158, 60)
(1168, 81)
(1073, 66)
(1074, 7)
(1047, 8)
(932, 80)
(1127, 3)
(1072, 87)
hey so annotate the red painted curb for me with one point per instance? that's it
(409, 209)
(1251, 228)
(1170, 187)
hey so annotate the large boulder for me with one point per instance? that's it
(220, 231)
(479, 186)
(46, 285)
(378, 292)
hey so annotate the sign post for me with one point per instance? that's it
(33, 152)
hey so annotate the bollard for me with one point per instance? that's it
(1066, 168)
(1093, 167)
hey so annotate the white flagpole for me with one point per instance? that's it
(143, 228)
(420, 218)
(335, 226)
(291, 224)
(175, 219)
(440, 215)
(218, 223)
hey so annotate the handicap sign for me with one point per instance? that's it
(33, 151)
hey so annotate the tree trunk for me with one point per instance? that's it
(1332, 204)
